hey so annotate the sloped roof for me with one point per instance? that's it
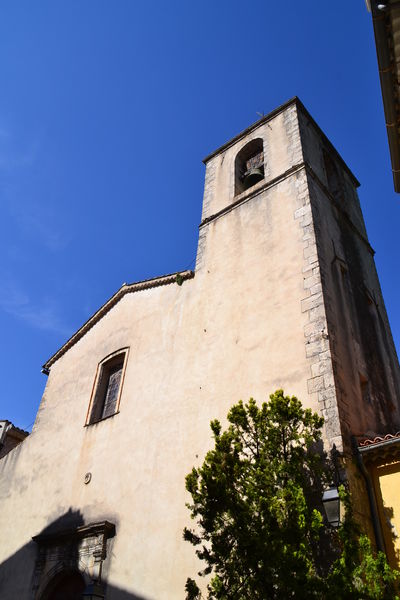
(386, 22)
(296, 101)
(378, 441)
(13, 430)
(126, 288)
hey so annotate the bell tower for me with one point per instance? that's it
(282, 220)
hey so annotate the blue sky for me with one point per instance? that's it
(107, 109)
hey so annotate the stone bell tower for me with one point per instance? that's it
(282, 221)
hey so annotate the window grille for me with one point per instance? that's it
(105, 401)
(112, 389)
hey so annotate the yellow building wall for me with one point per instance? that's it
(386, 479)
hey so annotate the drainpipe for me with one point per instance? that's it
(380, 544)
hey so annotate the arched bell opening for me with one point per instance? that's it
(249, 166)
(67, 585)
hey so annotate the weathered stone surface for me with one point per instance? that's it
(311, 302)
(315, 327)
(309, 282)
(311, 251)
(320, 368)
(315, 384)
(316, 313)
(314, 348)
(316, 289)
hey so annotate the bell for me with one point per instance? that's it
(252, 177)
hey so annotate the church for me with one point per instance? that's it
(284, 294)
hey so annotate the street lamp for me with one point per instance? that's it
(331, 502)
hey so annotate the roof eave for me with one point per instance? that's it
(389, 86)
(124, 289)
(298, 103)
(378, 445)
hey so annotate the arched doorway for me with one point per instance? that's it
(68, 585)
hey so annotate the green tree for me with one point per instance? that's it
(258, 528)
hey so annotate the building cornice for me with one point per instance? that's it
(298, 103)
(355, 229)
(253, 192)
(385, 18)
(105, 528)
(126, 288)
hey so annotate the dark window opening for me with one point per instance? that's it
(249, 166)
(335, 183)
(66, 586)
(108, 388)
(365, 389)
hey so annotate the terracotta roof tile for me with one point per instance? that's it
(379, 439)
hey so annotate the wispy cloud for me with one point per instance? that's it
(36, 220)
(13, 158)
(38, 227)
(16, 302)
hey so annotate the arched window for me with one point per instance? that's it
(107, 388)
(249, 166)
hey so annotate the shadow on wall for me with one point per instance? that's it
(114, 593)
(62, 562)
(392, 535)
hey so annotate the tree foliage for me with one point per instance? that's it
(256, 501)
